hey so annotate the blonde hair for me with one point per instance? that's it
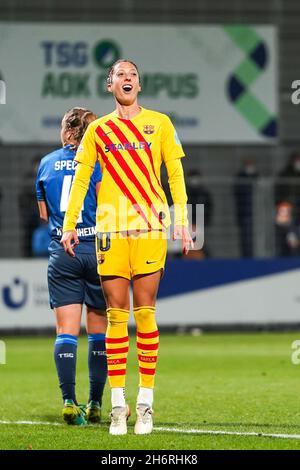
(77, 120)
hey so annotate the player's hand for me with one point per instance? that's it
(69, 240)
(180, 231)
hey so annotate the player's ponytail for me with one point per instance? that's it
(76, 120)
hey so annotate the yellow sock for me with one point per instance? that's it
(117, 346)
(147, 344)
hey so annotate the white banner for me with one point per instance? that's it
(269, 299)
(24, 301)
(217, 83)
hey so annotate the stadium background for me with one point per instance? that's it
(215, 161)
(211, 284)
(237, 391)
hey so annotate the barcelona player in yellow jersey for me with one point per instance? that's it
(131, 143)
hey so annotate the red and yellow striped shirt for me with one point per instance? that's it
(130, 153)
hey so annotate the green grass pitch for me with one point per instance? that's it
(241, 383)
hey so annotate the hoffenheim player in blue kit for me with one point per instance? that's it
(74, 281)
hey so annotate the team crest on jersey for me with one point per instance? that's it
(148, 129)
(100, 258)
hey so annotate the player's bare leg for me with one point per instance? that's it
(145, 288)
(68, 319)
(116, 291)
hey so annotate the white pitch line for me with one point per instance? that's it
(227, 433)
(178, 430)
(38, 423)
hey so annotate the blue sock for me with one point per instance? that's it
(97, 366)
(65, 352)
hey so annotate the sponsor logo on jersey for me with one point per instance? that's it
(81, 232)
(80, 148)
(148, 129)
(128, 146)
(86, 231)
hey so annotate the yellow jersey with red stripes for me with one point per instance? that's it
(130, 153)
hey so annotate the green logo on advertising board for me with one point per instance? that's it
(106, 53)
(249, 70)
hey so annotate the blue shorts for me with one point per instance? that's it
(74, 280)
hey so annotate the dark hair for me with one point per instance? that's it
(77, 120)
(112, 68)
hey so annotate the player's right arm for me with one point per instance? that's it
(86, 157)
(43, 210)
(40, 195)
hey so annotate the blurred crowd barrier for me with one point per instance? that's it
(242, 218)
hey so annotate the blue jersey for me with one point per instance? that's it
(53, 185)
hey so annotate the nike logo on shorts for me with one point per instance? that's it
(150, 262)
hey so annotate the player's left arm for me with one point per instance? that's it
(179, 197)
(172, 153)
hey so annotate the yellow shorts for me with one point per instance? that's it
(129, 254)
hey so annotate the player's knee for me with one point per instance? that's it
(68, 330)
(117, 315)
(143, 314)
(113, 301)
(93, 312)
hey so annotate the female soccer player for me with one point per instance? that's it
(74, 281)
(132, 221)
